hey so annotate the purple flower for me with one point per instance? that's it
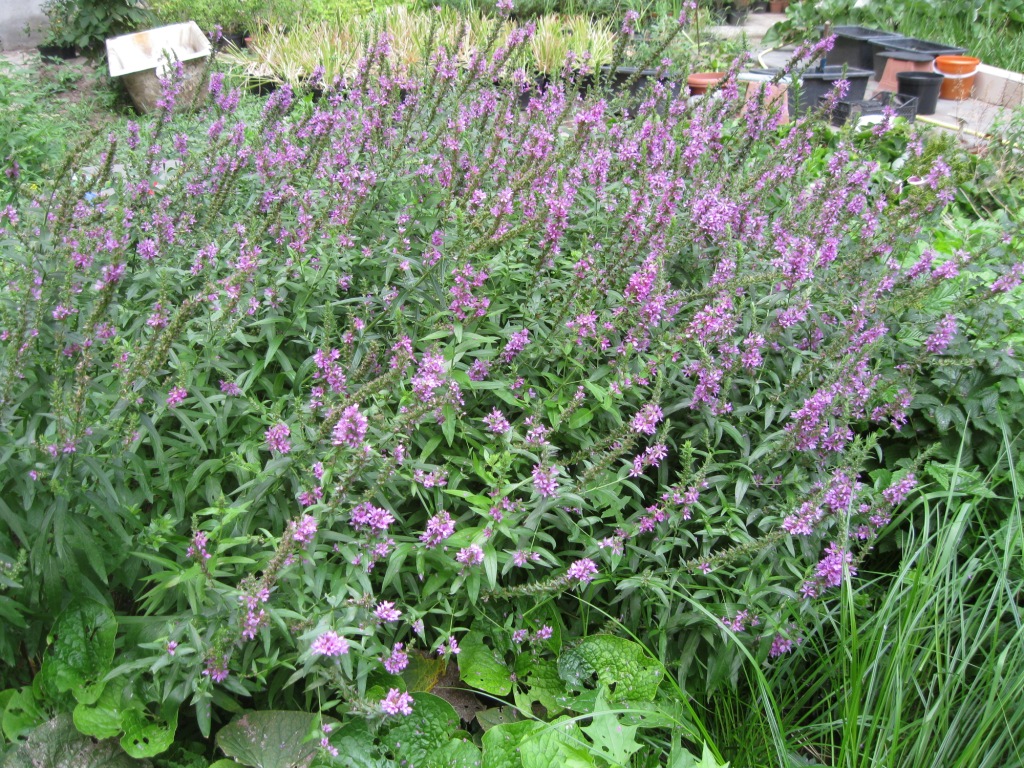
(386, 612)
(943, 334)
(646, 420)
(397, 660)
(651, 457)
(897, 492)
(197, 549)
(351, 428)
(176, 396)
(479, 369)
(497, 422)
(516, 344)
(780, 645)
(277, 438)
(397, 703)
(366, 515)
(304, 530)
(830, 569)
(330, 644)
(545, 480)
(1010, 280)
(439, 528)
(582, 571)
(802, 522)
(230, 388)
(471, 555)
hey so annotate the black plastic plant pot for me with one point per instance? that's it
(262, 87)
(57, 52)
(619, 79)
(882, 58)
(736, 17)
(540, 85)
(817, 83)
(237, 40)
(853, 46)
(924, 86)
(913, 45)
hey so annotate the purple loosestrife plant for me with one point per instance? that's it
(426, 358)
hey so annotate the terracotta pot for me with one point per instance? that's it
(778, 6)
(700, 82)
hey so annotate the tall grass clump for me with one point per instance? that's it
(303, 392)
(922, 665)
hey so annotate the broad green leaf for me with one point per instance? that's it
(541, 684)
(270, 739)
(82, 650)
(481, 667)
(457, 753)
(5, 697)
(682, 758)
(358, 746)
(488, 718)
(56, 744)
(423, 672)
(501, 743)
(145, 736)
(22, 713)
(612, 740)
(102, 719)
(621, 665)
(558, 744)
(416, 738)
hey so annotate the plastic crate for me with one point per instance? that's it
(905, 106)
(853, 46)
(913, 45)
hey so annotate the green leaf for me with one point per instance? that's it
(358, 746)
(682, 758)
(620, 664)
(56, 744)
(481, 667)
(422, 672)
(22, 713)
(417, 737)
(501, 743)
(82, 650)
(102, 719)
(270, 739)
(613, 741)
(488, 718)
(145, 736)
(542, 684)
(457, 753)
(559, 744)
(581, 418)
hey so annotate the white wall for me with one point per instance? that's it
(14, 15)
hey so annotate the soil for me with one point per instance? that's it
(78, 86)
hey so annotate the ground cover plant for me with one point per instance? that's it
(308, 404)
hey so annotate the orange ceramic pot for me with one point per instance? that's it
(700, 82)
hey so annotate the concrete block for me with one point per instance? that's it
(1001, 87)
